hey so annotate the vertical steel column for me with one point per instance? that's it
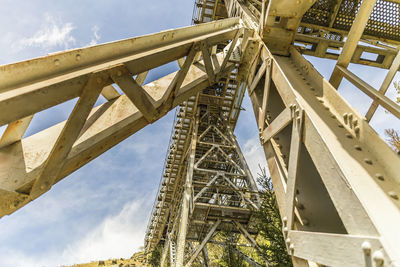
(205, 256)
(165, 252)
(186, 199)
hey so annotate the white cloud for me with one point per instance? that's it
(116, 237)
(96, 36)
(254, 155)
(51, 34)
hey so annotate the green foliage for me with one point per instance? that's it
(270, 224)
(229, 256)
(155, 256)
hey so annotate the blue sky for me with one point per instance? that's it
(101, 211)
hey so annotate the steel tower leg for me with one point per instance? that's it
(165, 252)
(205, 257)
(186, 201)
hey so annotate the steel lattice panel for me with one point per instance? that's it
(320, 13)
(383, 23)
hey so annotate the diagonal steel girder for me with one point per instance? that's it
(30, 166)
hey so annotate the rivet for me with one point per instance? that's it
(291, 247)
(56, 62)
(12, 206)
(379, 176)
(393, 195)
(326, 107)
(78, 57)
(366, 247)
(300, 206)
(305, 222)
(312, 89)
(345, 115)
(321, 101)
(368, 161)
(350, 118)
(333, 116)
(284, 220)
(287, 241)
(285, 231)
(349, 135)
(42, 187)
(378, 258)
(355, 122)
(356, 129)
(357, 147)
(340, 125)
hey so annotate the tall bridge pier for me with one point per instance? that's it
(337, 182)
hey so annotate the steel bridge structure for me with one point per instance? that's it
(336, 180)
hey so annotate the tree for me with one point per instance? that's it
(394, 139)
(155, 256)
(270, 224)
(230, 256)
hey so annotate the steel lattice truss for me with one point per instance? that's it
(336, 181)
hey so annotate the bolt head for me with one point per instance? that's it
(345, 116)
(393, 195)
(366, 247)
(378, 258)
(368, 161)
(379, 176)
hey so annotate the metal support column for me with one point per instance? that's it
(186, 200)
